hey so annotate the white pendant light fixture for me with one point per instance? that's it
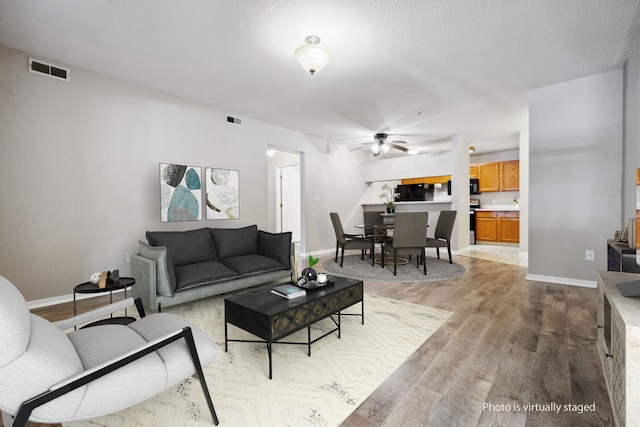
(311, 56)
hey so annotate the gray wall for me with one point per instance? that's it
(79, 172)
(575, 158)
(631, 153)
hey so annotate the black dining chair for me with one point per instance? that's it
(409, 231)
(442, 236)
(350, 241)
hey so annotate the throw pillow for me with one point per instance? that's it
(231, 242)
(164, 283)
(276, 246)
(184, 247)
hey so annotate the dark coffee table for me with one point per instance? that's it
(272, 318)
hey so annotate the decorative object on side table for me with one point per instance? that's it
(390, 197)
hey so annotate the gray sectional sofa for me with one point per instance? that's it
(175, 267)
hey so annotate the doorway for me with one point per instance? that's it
(286, 197)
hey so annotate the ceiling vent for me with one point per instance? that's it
(50, 70)
(234, 121)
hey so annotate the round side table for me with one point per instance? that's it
(90, 288)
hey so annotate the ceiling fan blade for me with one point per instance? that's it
(398, 142)
(399, 147)
(357, 148)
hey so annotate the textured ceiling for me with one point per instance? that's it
(423, 70)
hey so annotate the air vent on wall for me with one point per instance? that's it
(234, 121)
(50, 70)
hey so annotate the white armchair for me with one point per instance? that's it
(49, 376)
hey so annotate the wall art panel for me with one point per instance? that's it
(223, 193)
(180, 193)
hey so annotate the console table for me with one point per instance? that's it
(618, 322)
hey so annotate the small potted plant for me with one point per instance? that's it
(390, 197)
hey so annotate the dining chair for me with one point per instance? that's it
(409, 233)
(350, 241)
(442, 235)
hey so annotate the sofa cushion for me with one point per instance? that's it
(230, 242)
(247, 265)
(184, 247)
(276, 246)
(165, 284)
(202, 273)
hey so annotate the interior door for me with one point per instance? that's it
(289, 194)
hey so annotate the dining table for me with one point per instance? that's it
(380, 236)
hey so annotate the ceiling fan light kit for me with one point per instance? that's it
(312, 56)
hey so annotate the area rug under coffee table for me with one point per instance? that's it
(321, 390)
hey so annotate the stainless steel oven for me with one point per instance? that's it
(473, 205)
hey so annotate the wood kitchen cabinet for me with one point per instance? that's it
(489, 176)
(473, 171)
(486, 226)
(510, 176)
(498, 226)
(509, 227)
(499, 176)
(440, 179)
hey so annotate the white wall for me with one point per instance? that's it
(79, 172)
(631, 154)
(575, 157)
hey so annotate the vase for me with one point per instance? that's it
(309, 274)
(390, 209)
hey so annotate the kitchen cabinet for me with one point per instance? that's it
(486, 226)
(510, 176)
(489, 176)
(473, 171)
(439, 179)
(499, 176)
(498, 226)
(509, 227)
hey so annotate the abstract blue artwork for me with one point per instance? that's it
(180, 193)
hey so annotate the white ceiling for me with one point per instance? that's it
(420, 70)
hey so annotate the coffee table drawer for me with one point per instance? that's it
(324, 307)
(290, 320)
(348, 297)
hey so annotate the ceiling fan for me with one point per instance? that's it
(381, 144)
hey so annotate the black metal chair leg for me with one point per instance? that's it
(449, 250)
(424, 264)
(337, 248)
(342, 257)
(395, 261)
(438, 252)
(196, 363)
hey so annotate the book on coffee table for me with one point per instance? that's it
(288, 291)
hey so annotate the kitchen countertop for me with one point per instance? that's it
(501, 208)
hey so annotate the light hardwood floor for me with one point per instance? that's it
(508, 342)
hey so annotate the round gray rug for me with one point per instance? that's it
(437, 269)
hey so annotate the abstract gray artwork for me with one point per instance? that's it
(223, 193)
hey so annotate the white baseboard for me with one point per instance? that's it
(562, 281)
